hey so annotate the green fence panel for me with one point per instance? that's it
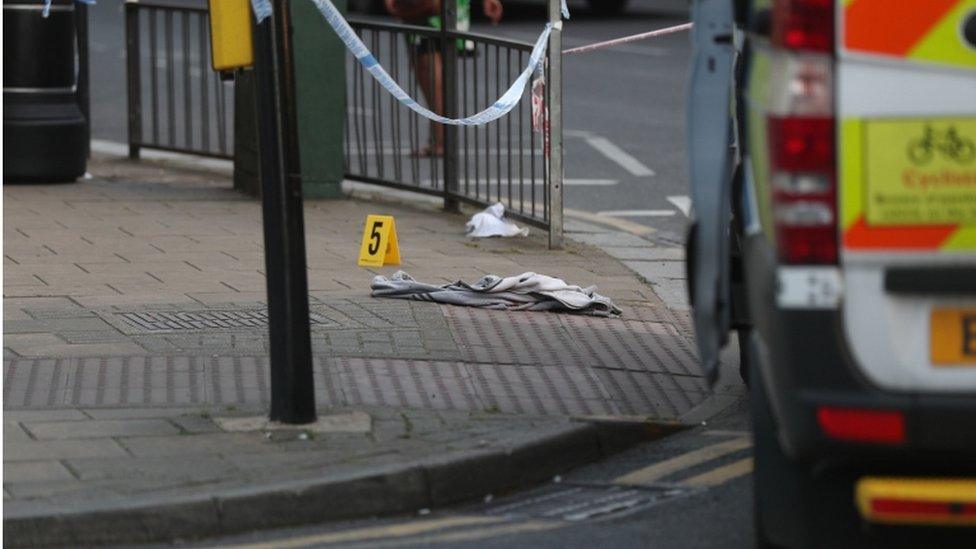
(320, 87)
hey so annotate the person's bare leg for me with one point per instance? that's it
(431, 79)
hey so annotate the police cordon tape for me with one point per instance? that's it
(504, 105)
(47, 6)
(628, 39)
(262, 9)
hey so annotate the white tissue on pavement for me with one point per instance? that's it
(492, 222)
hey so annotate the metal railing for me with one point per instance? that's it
(504, 161)
(175, 102)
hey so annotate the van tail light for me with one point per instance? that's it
(804, 24)
(804, 188)
(800, 128)
(862, 425)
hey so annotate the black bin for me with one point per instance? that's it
(45, 129)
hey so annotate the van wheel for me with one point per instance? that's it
(778, 481)
(607, 7)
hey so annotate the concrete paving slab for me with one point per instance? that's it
(646, 253)
(656, 270)
(100, 428)
(35, 471)
(44, 415)
(354, 422)
(62, 449)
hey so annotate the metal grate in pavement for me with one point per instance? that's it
(171, 321)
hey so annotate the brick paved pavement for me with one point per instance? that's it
(134, 313)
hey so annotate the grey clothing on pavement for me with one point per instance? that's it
(526, 292)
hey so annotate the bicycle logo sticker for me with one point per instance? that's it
(948, 143)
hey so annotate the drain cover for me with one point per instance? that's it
(170, 321)
(579, 503)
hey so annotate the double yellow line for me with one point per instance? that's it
(720, 475)
(420, 532)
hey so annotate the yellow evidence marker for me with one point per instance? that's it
(379, 242)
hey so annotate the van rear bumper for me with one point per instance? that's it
(806, 365)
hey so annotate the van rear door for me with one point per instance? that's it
(906, 107)
(711, 157)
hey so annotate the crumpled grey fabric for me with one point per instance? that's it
(526, 292)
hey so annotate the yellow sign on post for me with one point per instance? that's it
(230, 35)
(380, 245)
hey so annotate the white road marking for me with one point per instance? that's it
(620, 224)
(426, 182)
(639, 213)
(681, 202)
(615, 154)
(589, 182)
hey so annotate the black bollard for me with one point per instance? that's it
(292, 385)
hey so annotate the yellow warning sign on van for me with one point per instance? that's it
(920, 172)
(380, 246)
(938, 32)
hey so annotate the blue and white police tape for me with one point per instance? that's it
(262, 9)
(47, 6)
(504, 105)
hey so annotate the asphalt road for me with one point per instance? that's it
(624, 107)
(690, 490)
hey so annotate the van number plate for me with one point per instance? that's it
(953, 341)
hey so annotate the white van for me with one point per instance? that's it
(833, 170)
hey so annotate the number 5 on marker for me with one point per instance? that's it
(380, 245)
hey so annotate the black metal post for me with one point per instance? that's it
(133, 77)
(292, 385)
(84, 77)
(449, 74)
